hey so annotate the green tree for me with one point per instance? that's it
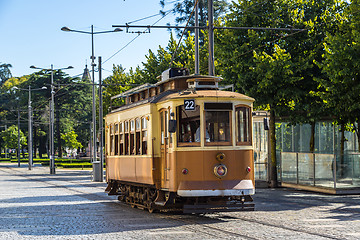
(275, 88)
(117, 83)
(10, 138)
(183, 9)
(70, 140)
(342, 64)
(182, 56)
(5, 72)
(302, 50)
(319, 18)
(72, 106)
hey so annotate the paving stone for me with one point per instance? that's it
(68, 205)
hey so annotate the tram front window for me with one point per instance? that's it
(189, 122)
(218, 126)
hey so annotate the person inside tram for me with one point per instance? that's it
(197, 133)
(187, 136)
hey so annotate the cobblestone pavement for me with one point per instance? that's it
(37, 205)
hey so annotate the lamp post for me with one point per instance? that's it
(93, 64)
(30, 146)
(51, 128)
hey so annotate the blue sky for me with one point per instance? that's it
(30, 33)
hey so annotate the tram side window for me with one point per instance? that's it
(144, 136)
(121, 130)
(126, 124)
(106, 142)
(111, 139)
(132, 137)
(116, 139)
(189, 122)
(137, 137)
(243, 125)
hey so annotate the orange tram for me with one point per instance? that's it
(181, 144)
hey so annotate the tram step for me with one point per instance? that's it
(162, 203)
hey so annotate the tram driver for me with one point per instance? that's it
(197, 133)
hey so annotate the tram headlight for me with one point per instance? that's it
(220, 170)
(220, 157)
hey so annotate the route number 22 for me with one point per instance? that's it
(189, 105)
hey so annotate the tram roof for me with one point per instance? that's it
(205, 93)
(171, 94)
(190, 77)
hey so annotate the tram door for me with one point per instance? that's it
(165, 164)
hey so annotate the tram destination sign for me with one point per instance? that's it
(189, 104)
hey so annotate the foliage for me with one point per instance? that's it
(159, 62)
(183, 9)
(276, 80)
(5, 72)
(342, 64)
(155, 64)
(10, 137)
(72, 105)
(283, 64)
(70, 141)
(117, 83)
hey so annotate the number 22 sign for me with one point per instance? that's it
(189, 105)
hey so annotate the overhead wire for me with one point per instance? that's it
(167, 13)
(173, 56)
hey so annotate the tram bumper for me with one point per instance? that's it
(216, 188)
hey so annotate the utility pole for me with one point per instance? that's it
(93, 154)
(101, 130)
(6, 155)
(197, 68)
(30, 132)
(18, 111)
(93, 64)
(210, 29)
(211, 37)
(51, 120)
(52, 153)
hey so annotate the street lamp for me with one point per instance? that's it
(30, 122)
(66, 29)
(51, 128)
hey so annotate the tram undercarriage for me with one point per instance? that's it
(152, 199)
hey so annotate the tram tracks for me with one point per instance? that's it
(203, 224)
(221, 232)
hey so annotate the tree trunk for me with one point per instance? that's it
(356, 128)
(312, 138)
(35, 140)
(23, 152)
(42, 146)
(273, 163)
